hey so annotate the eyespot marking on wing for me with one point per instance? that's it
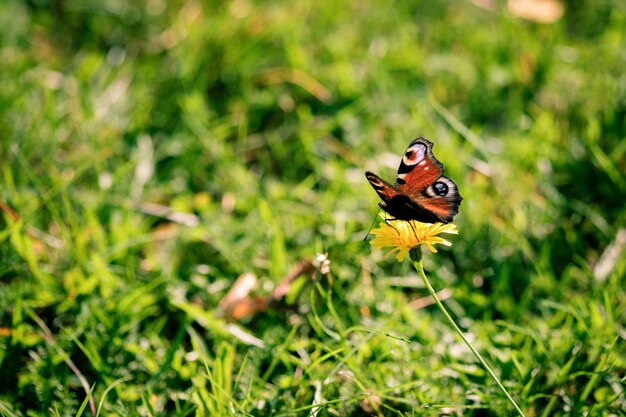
(414, 154)
(443, 187)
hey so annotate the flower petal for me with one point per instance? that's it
(404, 235)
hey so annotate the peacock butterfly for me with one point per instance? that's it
(421, 191)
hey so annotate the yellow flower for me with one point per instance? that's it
(402, 235)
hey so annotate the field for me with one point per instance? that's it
(183, 207)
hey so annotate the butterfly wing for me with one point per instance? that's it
(420, 178)
(441, 198)
(399, 205)
(385, 191)
(418, 169)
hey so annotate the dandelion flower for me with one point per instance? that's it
(402, 236)
(407, 238)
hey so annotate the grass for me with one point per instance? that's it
(152, 152)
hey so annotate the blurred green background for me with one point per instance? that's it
(152, 152)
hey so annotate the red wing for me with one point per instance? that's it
(384, 190)
(440, 207)
(419, 168)
(441, 198)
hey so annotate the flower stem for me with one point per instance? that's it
(416, 257)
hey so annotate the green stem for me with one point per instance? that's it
(416, 257)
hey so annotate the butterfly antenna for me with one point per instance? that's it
(413, 228)
(371, 227)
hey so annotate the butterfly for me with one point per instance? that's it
(421, 191)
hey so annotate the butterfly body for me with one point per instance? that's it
(421, 192)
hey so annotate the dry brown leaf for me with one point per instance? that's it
(239, 291)
(238, 304)
(541, 11)
(247, 307)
